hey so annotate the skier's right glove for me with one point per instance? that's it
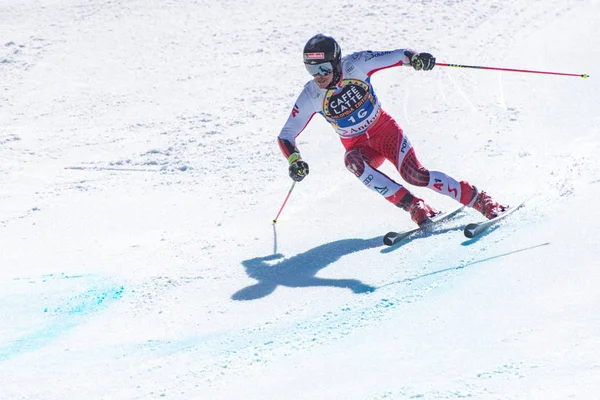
(298, 168)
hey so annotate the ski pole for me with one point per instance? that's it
(511, 70)
(285, 201)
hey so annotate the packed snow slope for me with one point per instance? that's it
(139, 175)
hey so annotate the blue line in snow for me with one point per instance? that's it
(64, 317)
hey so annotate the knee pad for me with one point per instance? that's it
(355, 162)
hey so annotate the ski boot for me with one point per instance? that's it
(486, 205)
(420, 212)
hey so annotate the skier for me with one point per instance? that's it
(341, 91)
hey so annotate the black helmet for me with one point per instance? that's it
(322, 49)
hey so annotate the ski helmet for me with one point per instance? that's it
(323, 49)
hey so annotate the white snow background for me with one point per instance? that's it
(140, 174)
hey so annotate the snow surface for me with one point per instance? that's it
(139, 175)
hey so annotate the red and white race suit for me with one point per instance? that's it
(369, 134)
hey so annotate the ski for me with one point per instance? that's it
(391, 238)
(477, 228)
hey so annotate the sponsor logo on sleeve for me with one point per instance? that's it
(372, 54)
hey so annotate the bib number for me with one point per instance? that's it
(361, 114)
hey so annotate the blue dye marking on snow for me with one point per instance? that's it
(70, 312)
(90, 301)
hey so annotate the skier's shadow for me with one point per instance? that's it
(300, 270)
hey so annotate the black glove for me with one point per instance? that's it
(421, 61)
(298, 168)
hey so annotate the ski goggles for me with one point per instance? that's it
(319, 69)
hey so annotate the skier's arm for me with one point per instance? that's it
(300, 116)
(372, 61)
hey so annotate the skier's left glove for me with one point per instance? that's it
(420, 61)
(298, 168)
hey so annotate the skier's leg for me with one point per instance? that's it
(363, 161)
(414, 173)
(394, 145)
(390, 141)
